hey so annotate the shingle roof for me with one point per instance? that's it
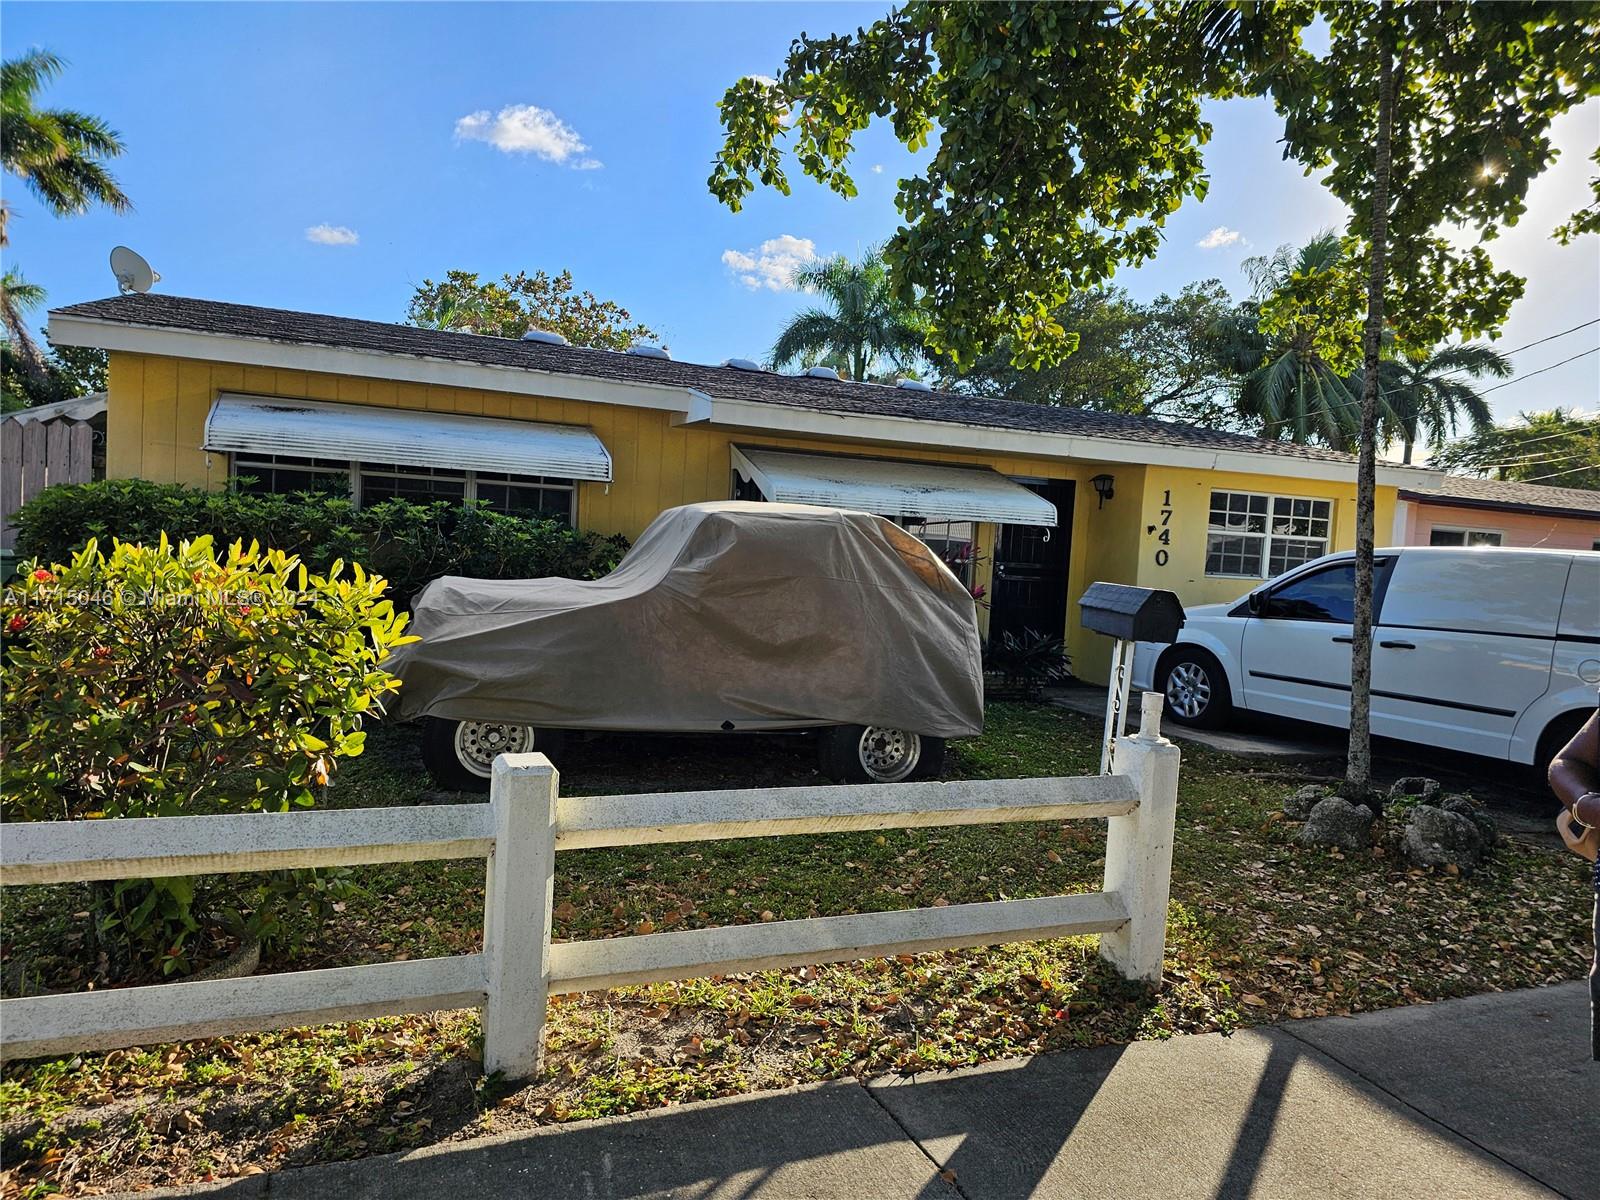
(822, 395)
(1464, 489)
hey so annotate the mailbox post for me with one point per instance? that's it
(1127, 614)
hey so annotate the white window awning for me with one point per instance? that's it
(892, 489)
(315, 429)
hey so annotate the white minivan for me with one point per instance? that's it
(1490, 651)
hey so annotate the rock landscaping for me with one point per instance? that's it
(1420, 823)
(1300, 803)
(1336, 822)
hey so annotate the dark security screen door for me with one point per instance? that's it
(1030, 570)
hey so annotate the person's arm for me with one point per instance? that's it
(1575, 774)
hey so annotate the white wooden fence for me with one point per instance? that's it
(520, 831)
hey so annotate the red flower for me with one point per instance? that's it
(43, 576)
(17, 624)
(102, 652)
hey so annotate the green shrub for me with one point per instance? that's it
(1027, 662)
(408, 544)
(163, 679)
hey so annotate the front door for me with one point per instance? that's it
(1030, 570)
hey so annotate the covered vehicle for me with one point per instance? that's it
(727, 616)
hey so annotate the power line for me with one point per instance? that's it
(1551, 338)
(1557, 474)
(1542, 370)
(1519, 349)
(1532, 461)
(1578, 428)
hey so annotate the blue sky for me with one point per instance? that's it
(502, 137)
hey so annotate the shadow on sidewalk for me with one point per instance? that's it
(1258, 1114)
(1265, 1113)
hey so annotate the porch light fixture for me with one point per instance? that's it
(1103, 488)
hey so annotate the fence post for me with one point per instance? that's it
(516, 922)
(1139, 847)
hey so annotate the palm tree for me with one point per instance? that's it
(18, 297)
(863, 322)
(56, 153)
(1293, 391)
(1431, 397)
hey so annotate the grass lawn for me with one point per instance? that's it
(1260, 930)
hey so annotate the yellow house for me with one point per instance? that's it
(1029, 504)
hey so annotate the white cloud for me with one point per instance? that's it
(1221, 236)
(332, 235)
(877, 168)
(772, 264)
(528, 129)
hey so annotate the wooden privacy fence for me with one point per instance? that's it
(35, 455)
(520, 831)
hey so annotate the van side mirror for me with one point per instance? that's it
(1256, 602)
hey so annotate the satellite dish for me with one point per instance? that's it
(132, 272)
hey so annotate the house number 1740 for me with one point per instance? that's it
(1163, 531)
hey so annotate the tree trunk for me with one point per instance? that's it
(1406, 458)
(1358, 767)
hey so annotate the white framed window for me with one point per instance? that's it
(1454, 535)
(369, 483)
(1255, 535)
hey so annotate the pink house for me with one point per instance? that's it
(1463, 511)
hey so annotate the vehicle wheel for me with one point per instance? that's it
(877, 754)
(1195, 688)
(1556, 735)
(460, 754)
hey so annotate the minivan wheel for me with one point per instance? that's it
(1194, 688)
(460, 754)
(879, 754)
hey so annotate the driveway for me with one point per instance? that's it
(1514, 794)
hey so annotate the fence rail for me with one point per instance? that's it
(519, 833)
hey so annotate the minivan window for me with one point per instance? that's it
(1580, 614)
(1325, 595)
(1477, 591)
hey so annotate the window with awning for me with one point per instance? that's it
(264, 427)
(907, 490)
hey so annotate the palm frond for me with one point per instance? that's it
(17, 297)
(24, 75)
(56, 153)
(810, 332)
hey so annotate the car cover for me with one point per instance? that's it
(723, 616)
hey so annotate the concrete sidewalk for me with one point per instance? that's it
(1492, 1096)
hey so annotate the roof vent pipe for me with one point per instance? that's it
(544, 337)
(912, 385)
(647, 350)
(822, 373)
